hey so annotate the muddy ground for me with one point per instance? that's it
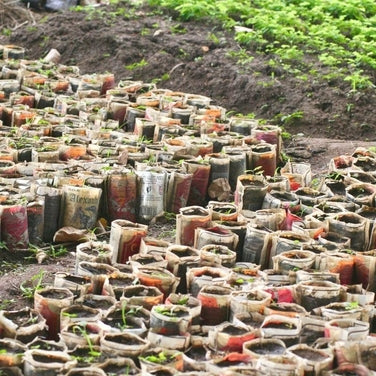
(141, 44)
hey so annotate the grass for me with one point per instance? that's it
(336, 35)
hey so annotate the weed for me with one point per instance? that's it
(359, 81)
(213, 38)
(5, 303)
(164, 77)
(6, 32)
(45, 40)
(178, 29)
(28, 288)
(292, 118)
(137, 65)
(242, 56)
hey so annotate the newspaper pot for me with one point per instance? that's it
(278, 199)
(93, 251)
(285, 328)
(190, 218)
(256, 246)
(250, 192)
(199, 277)
(145, 296)
(124, 318)
(237, 227)
(45, 363)
(223, 211)
(270, 134)
(346, 330)
(11, 371)
(315, 275)
(178, 189)
(98, 273)
(272, 219)
(52, 203)
(253, 300)
(294, 260)
(215, 304)
(35, 220)
(278, 183)
(23, 324)
(264, 158)
(119, 366)
(215, 235)
(339, 262)
(11, 51)
(353, 226)
(87, 355)
(48, 345)
(178, 256)
(342, 310)
(161, 278)
(14, 225)
(122, 196)
(156, 357)
(228, 362)
(12, 352)
(125, 238)
(285, 309)
(259, 347)
(79, 206)
(76, 284)
(315, 361)
(299, 174)
(350, 369)
(361, 193)
(200, 171)
(151, 194)
(192, 303)
(215, 254)
(170, 320)
(282, 365)
(246, 276)
(72, 151)
(139, 259)
(101, 302)
(77, 313)
(284, 241)
(86, 371)
(219, 166)
(238, 166)
(123, 345)
(49, 302)
(196, 357)
(230, 337)
(334, 241)
(81, 334)
(314, 294)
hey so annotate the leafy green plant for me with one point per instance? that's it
(28, 288)
(81, 329)
(5, 303)
(160, 358)
(137, 65)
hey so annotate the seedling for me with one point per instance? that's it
(36, 285)
(83, 331)
(137, 65)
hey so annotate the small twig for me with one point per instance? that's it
(19, 25)
(175, 67)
